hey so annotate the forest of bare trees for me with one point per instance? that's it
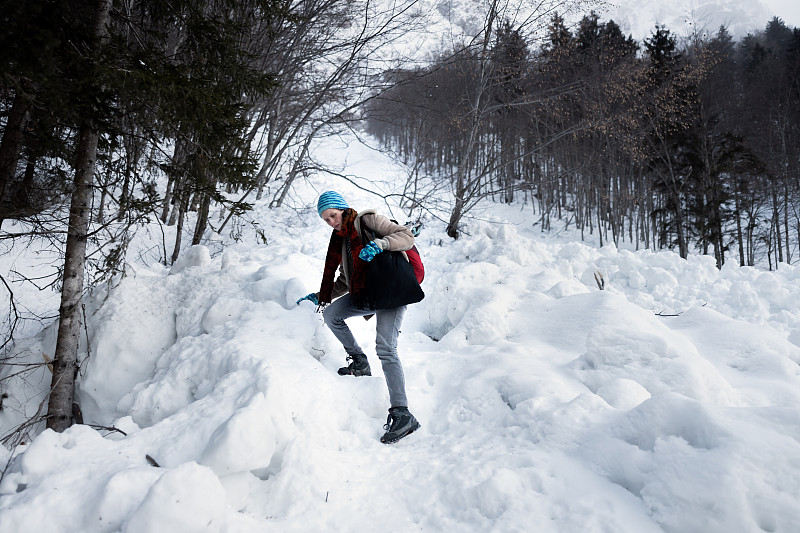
(692, 146)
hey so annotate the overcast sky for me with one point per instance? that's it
(788, 10)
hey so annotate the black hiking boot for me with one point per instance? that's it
(399, 423)
(359, 366)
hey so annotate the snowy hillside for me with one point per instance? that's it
(666, 402)
(684, 18)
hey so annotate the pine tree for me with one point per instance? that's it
(670, 95)
(91, 76)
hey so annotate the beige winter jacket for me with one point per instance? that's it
(389, 236)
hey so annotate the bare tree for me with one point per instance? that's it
(480, 145)
(65, 366)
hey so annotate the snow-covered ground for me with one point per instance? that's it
(666, 402)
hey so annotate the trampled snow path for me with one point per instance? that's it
(545, 403)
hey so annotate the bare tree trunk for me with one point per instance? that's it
(178, 156)
(455, 217)
(168, 198)
(739, 237)
(751, 250)
(777, 222)
(100, 211)
(182, 207)
(23, 196)
(65, 362)
(290, 177)
(10, 147)
(202, 215)
(272, 124)
(180, 196)
(784, 163)
(462, 185)
(599, 217)
(202, 219)
(786, 226)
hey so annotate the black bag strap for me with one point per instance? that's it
(363, 234)
(414, 231)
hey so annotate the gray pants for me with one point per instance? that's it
(387, 329)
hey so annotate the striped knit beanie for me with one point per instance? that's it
(330, 200)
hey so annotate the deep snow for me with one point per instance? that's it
(666, 402)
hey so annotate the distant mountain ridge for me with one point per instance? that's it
(684, 18)
(638, 18)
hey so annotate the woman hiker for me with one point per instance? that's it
(350, 255)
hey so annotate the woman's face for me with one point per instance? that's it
(333, 217)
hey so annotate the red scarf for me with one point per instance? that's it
(334, 258)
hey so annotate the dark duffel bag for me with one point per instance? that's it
(391, 282)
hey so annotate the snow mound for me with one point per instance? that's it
(666, 402)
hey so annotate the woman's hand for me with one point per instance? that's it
(369, 251)
(312, 297)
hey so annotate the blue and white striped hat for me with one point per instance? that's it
(330, 200)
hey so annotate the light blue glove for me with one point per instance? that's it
(369, 252)
(310, 297)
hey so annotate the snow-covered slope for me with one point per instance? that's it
(666, 402)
